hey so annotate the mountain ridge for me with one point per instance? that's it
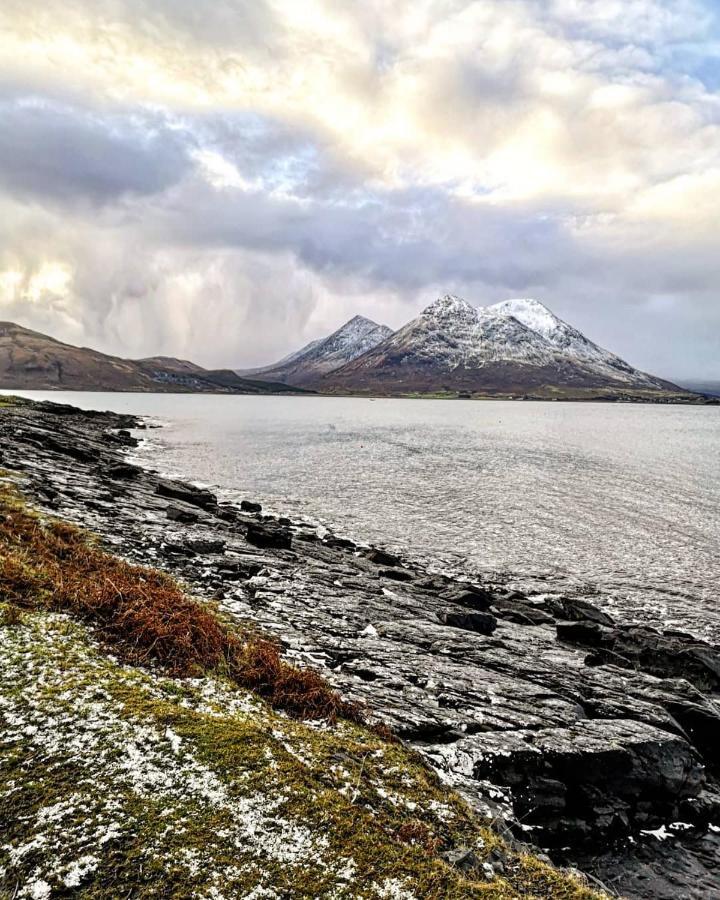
(30, 360)
(513, 348)
(324, 355)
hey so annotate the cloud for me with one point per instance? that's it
(227, 180)
(57, 152)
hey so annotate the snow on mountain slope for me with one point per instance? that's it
(451, 333)
(571, 342)
(515, 345)
(353, 339)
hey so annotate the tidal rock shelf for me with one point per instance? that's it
(593, 739)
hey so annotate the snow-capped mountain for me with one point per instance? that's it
(512, 347)
(567, 339)
(324, 355)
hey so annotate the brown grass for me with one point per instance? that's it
(417, 833)
(145, 615)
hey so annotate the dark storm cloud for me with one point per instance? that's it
(57, 153)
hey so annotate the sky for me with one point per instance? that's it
(225, 180)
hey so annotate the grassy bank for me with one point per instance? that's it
(150, 748)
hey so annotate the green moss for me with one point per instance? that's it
(10, 401)
(166, 780)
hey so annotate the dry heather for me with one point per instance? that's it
(145, 615)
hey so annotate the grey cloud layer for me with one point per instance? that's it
(62, 153)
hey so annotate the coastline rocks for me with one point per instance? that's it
(249, 506)
(205, 546)
(575, 609)
(648, 650)
(383, 557)
(595, 779)
(121, 471)
(482, 623)
(183, 516)
(187, 493)
(545, 712)
(269, 536)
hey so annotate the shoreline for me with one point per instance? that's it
(512, 700)
(689, 399)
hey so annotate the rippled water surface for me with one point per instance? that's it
(625, 499)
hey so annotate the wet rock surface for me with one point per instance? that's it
(581, 734)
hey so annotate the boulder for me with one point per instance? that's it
(238, 569)
(178, 514)
(206, 545)
(269, 536)
(250, 507)
(470, 596)
(383, 557)
(188, 493)
(481, 623)
(575, 609)
(122, 471)
(593, 779)
(396, 574)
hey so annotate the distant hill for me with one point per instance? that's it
(30, 360)
(324, 355)
(514, 348)
(703, 387)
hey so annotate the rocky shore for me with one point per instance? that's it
(590, 738)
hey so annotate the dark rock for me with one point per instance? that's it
(267, 536)
(604, 657)
(588, 634)
(56, 409)
(184, 516)
(471, 597)
(382, 557)
(340, 543)
(596, 778)
(649, 651)
(81, 451)
(188, 493)
(122, 471)
(238, 570)
(206, 545)
(121, 437)
(462, 858)
(227, 513)
(574, 609)
(481, 623)
(396, 574)
(250, 507)
(173, 549)
(522, 613)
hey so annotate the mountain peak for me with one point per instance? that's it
(449, 307)
(359, 320)
(353, 339)
(532, 313)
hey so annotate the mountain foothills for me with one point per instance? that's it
(32, 361)
(514, 348)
